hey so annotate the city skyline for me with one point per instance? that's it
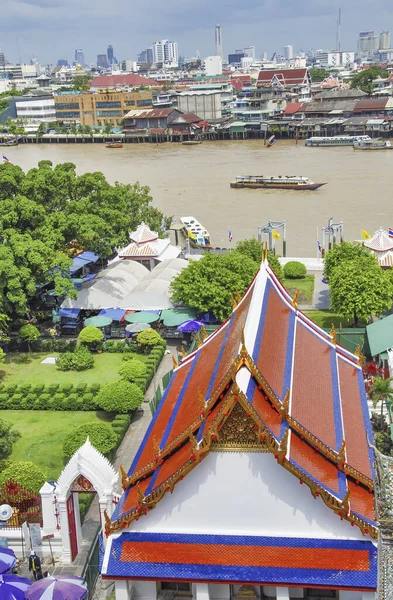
(52, 30)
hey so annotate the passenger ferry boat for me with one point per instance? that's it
(337, 140)
(373, 145)
(287, 182)
(199, 237)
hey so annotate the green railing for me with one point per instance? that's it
(91, 569)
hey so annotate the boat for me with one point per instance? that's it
(373, 145)
(114, 145)
(337, 140)
(191, 142)
(9, 143)
(285, 182)
(198, 236)
(271, 141)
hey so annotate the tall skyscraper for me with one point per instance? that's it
(368, 44)
(2, 58)
(249, 51)
(384, 40)
(80, 58)
(218, 41)
(288, 52)
(110, 54)
(165, 52)
(102, 61)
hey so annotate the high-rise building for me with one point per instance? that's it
(62, 62)
(80, 58)
(218, 41)
(250, 51)
(2, 58)
(384, 40)
(165, 52)
(212, 65)
(110, 54)
(288, 52)
(102, 61)
(368, 44)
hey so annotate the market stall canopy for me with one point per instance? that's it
(144, 316)
(175, 316)
(7, 559)
(82, 260)
(13, 587)
(69, 313)
(60, 587)
(189, 326)
(137, 327)
(116, 314)
(380, 335)
(98, 321)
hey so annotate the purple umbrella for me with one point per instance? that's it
(7, 560)
(13, 587)
(189, 326)
(61, 587)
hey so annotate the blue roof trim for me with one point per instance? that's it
(338, 424)
(366, 418)
(250, 390)
(261, 325)
(342, 486)
(289, 354)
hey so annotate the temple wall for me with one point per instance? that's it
(219, 496)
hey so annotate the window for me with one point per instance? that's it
(130, 103)
(321, 594)
(67, 115)
(109, 113)
(143, 102)
(108, 104)
(177, 586)
(67, 105)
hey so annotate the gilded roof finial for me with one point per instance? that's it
(204, 332)
(123, 475)
(107, 520)
(193, 440)
(238, 296)
(174, 362)
(359, 354)
(183, 352)
(156, 446)
(295, 300)
(141, 495)
(285, 404)
(345, 500)
(202, 403)
(234, 303)
(198, 339)
(341, 452)
(243, 340)
(333, 334)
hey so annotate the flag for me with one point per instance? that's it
(5, 159)
(390, 232)
(276, 236)
(229, 234)
(365, 235)
(319, 247)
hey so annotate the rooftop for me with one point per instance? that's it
(106, 81)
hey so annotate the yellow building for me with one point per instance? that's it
(100, 108)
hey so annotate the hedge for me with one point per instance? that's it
(119, 396)
(50, 397)
(101, 435)
(295, 270)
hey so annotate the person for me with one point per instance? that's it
(35, 565)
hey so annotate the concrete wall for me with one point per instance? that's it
(207, 106)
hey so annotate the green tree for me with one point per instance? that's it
(317, 74)
(209, 283)
(101, 435)
(81, 83)
(7, 439)
(91, 336)
(381, 391)
(132, 369)
(346, 251)
(26, 473)
(29, 333)
(149, 338)
(364, 80)
(119, 396)
(108, 127)
(253, 249)
(360, 289)
(295, 270)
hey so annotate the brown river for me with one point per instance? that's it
(194, 180)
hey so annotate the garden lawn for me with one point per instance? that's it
(305, 285)
(42, 434)
(106, 366)
(325, 318)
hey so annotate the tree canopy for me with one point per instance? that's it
(253, 249)
(318, 74)
(346, 251)
(7, 439)
(360, 289)
(209, 283)
(364, 80)
(49, 211)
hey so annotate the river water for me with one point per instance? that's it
(194, 180)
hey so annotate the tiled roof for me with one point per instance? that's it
(304, 394)
(380, 242)
(143, 233)
(106, 81)
(149, 113)
(370, 104)
(284, 76)
(292, 108)
(334, 564)
(135, 250)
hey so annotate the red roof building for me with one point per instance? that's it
(284, 77)
(292, 108)
(256, 463)
(119, 81)
(381, 244)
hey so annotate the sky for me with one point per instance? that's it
(53, 29)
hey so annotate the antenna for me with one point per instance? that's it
(338, 34)
(17, 41)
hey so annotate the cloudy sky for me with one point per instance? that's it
(52, 29)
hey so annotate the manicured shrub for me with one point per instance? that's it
(73, 401)
(66, 388)
(119, 396)
(11, 388)
(26, 474)
(109, 346)
(29, 333)
(101, 436)
(88, 401)
(94, 388)
(131, 369)
(25, 388)
(80, 360)
(121, 344)
(61, 345)
(3, 401)
(37, 389)
(15, 401)
(294, 270)
(140, 382)
(149, 338)
(92, 337)
(42, 401)
(52, 388)
(81, 387)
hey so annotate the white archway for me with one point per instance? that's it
(89, 463)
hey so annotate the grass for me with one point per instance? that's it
(305, 285)
(105, 369)
(325, 318)
(42, 434)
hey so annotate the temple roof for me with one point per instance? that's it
(260, 560)
(380, 242)
(298, 394)
(143, 234)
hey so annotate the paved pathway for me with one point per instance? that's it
(321, 299)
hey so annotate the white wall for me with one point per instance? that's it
(213, 65)
(219, 496)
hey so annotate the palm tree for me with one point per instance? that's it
(381, 391)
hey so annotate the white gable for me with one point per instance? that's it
(244, 493)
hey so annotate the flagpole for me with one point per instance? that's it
(318, 252)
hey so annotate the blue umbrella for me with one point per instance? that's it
(7, 560)
(189, 326)
(13, 587)
(59, 587)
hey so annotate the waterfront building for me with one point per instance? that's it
(38, 110)
(79, 58)
(212, 65)
(258, 467)
(296, 82)
(218, 39)
(100, 108)
(162, 121)
(206, 103)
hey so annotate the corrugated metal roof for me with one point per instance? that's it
(371, 104)
(152, 113)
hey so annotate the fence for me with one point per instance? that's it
(91, 570)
